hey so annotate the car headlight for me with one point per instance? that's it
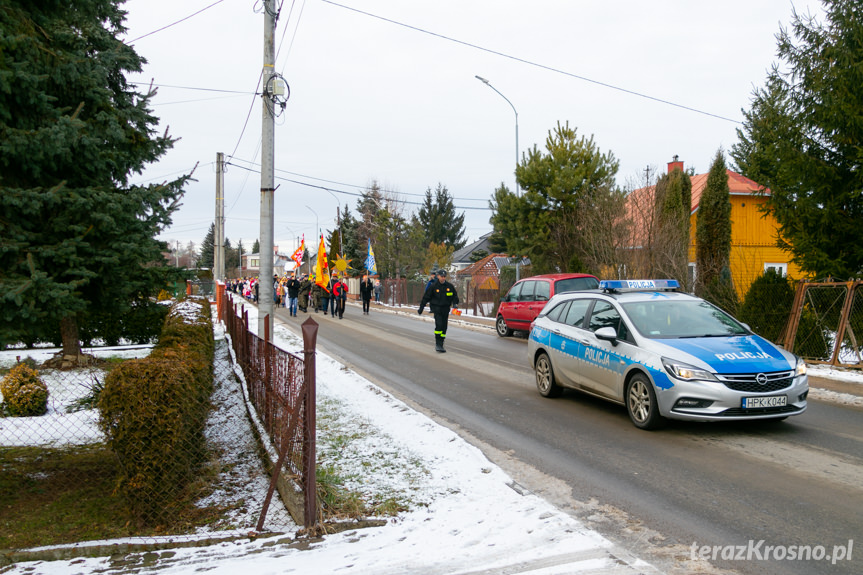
(800, 368)
(686, 372)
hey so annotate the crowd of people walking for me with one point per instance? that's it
(299, 291)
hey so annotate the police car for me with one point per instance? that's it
(663, 354)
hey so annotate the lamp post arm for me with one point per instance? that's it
(487, 83)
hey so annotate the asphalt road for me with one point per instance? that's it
(794, 483)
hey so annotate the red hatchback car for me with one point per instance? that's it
(524, 300)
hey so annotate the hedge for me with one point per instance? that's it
(153, 412)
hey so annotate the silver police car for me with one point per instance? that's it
(664, 355)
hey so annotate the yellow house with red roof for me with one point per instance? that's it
(753, 232)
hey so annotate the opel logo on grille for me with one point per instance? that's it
(761, 379)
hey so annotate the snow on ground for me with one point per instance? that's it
(836, 374)
(467, 515)
(65, 428)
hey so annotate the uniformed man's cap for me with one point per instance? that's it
(441, 273)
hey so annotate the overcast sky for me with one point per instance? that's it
(385, 90)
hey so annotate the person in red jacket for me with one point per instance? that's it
(340, 293)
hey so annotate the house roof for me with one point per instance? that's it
(487, 266)
(737, 185)
(463, 255)
(490, 265)
(640, 202)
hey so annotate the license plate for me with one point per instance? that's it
(758, 402)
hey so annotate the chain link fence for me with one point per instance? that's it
(58, 476)
(826, 323)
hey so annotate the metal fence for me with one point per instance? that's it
(281, 390)
(49, 459)
(826, 323)
(480, 301)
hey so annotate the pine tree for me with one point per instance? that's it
(713, 237)
(802, 138)
(256, 247)
(569, 206)
(76, 239)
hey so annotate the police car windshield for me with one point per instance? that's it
(676, 319)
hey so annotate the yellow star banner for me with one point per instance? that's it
(341, 264)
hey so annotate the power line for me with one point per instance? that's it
(354, 194)
(130, 42)
(193, 88)
(532, 63)
(357, 186)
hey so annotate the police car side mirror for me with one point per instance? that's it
(607, 334)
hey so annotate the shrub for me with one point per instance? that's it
(24, 394)
(767, 305)
(153, 412)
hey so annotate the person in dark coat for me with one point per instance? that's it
(333, 299)
(317, 294)
(440, 297)
(326, 294)
(367, 288)
(293, 289)
(305, 287)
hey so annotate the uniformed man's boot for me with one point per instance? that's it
(439, 344)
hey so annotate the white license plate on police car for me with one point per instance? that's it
(760, 402)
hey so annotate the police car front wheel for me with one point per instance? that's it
(545, 377)
(641, 404)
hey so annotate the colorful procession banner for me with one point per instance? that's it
(371, 265)
(322, 270)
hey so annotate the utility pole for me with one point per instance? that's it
(265, 277)
(219, 264)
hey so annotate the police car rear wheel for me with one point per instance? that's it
(641, 404)
(545, 377)
(502, 329)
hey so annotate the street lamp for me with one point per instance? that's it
(317, 229)
(338, 215)
(486, 82)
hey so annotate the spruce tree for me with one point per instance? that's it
(76, 238)
(802, 139)
(439, 219)
(208, 249)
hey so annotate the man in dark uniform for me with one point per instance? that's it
(440, 296)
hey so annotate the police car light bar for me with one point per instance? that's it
(633, 285)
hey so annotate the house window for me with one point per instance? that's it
(781, 269)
